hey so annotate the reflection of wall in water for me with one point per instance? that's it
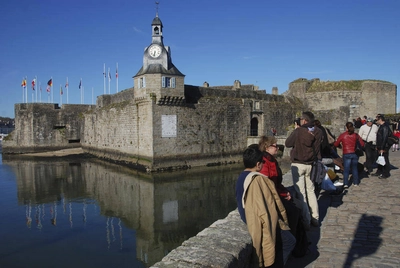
(165, 209)
(45, 182)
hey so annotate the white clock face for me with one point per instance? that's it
(155, 51)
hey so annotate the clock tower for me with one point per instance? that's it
(158, 78)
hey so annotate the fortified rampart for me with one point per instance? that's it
(336, 102)
(45, 127)
(210, 126)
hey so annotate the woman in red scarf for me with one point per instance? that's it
(272, 170)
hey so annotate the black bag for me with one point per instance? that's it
(318, 172)
(392, 139)
(359, 150)
(302, 243)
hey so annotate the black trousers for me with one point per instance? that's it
(384, 170)
(370, 156)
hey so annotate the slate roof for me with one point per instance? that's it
(156, 21)
(159, 69)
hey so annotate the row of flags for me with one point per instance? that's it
(50, 82)
(49, 85)
(109, 74)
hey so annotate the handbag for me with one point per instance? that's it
(358, 151)
(381, 160)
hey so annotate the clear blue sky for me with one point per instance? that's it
(266, 43)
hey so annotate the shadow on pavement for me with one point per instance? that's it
(366, 240)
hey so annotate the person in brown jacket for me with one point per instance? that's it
(306, 143)
(261, 209)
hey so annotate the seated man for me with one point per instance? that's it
(261, 209)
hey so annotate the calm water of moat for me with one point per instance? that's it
(87, 213)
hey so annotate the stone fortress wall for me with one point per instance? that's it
(45, 127)
(337, 102)
(212, 127)
(212, 124)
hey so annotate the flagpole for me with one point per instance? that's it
(67, 85)
(23, 90)
(26, 90)
(104, 78)
(80, 88)
(36, 87)
(51, 89)
(40, 94)
(109, 81)
(116, 76)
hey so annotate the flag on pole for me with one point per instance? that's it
(116, 73)
(49, 85)
(33, 84)
(66, 84)
(109, 74)
(61, 90)
(23, 83)
(80, 84)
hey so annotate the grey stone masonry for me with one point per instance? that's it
(226, 243)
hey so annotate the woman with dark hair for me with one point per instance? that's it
(349, 139)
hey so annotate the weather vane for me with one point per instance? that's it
(157, 3)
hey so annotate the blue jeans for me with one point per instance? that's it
(350, 161)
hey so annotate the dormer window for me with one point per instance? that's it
(156, 31)
(168, 82)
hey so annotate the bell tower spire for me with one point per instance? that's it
(156, 27)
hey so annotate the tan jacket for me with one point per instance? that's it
(264, 210)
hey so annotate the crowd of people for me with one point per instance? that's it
(271, 211)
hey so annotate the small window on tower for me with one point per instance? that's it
(156, 30)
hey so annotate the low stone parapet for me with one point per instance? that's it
(226, 243)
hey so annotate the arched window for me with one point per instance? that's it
(254, 127)
(156, 31)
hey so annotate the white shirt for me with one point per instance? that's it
(365, 129)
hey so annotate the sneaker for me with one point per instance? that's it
(338, 183)
(346, 186)
(356, 185)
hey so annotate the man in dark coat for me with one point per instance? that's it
(382, 147)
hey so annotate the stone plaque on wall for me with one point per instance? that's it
(168, 126)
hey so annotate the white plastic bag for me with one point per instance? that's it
(381, 160)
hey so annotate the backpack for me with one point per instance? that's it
(318, 172)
